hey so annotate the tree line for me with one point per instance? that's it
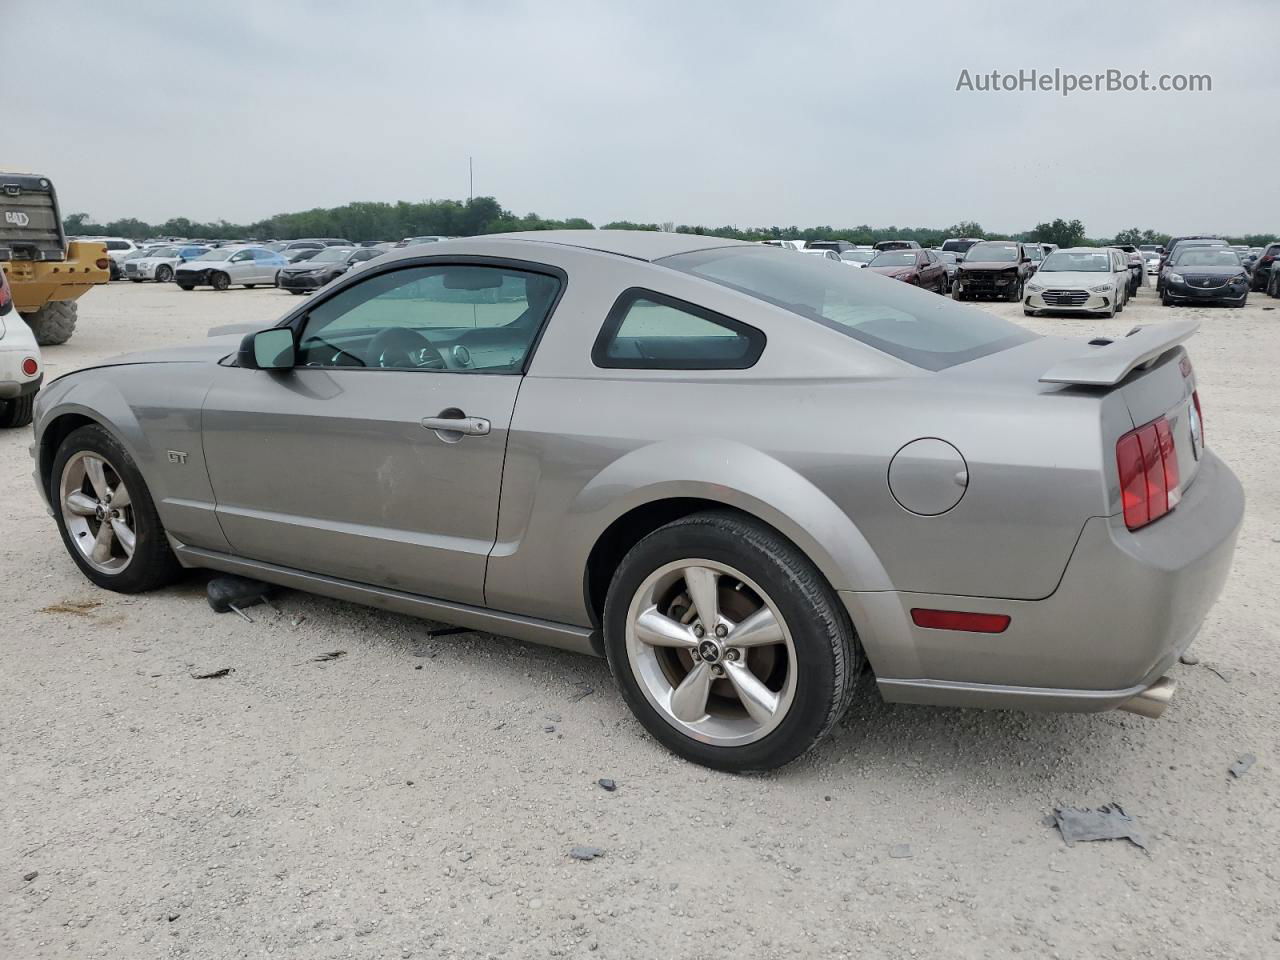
(479, 215)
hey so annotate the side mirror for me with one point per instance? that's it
(268, 350)
(959, 258)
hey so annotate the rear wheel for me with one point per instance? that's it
(53, 323)
(1015, 295)
(106, 516)
(17, 412)
(220, 281)
(164, 273)
(727, 643)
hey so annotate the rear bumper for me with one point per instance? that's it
(1127, 605)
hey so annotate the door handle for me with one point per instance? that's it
(453, 429)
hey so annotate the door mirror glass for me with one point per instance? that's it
(268, 350)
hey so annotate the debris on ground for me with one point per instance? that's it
(581, 693)
(1241, 766)
(232, 593)
(1189, 659)
(585, 853)
(326, 657)
(28, 877)
(1224, 675)
(607, 785)
(298, 621)
(77, 608)
(549, 728)
(1107, 822)
(214, 674)
(447, 631)
(900, 851)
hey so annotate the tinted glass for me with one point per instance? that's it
(894, 258)
(1061, 261)
(457, 319)
(646, 330)
(992, 253)
(919, 327)
(1206, 257)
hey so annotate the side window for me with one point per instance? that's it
(265, 256)
(459, 319)
(241, 257)
(650, 331)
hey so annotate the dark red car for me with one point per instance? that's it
(923, 268)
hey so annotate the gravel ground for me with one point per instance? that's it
(419, 796)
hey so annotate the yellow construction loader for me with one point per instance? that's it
(46, 273)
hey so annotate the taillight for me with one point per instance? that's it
(30, 367)
(960, 620)
(1148, 465)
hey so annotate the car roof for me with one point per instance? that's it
(637, 244)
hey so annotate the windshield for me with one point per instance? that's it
(992, 253)
(858, 256)
(946, 256)
(1035, 253)
(1206, 257)
(164, 252)
(923, 329)
(222, 253)
(957, 246)
(894, 258)
(1062, 261)
(331, 255)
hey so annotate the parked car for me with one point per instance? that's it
(324, 266)
(1137, 268)
(159, 263)
(1196, 240)
(858, 257)
(21, 367)
(735, 567)
(1273, 279)
(897, 245)
(1262, 267)
(951, 261)
(1151, 260)
(921, 268)
(222, 267)
(993, 269)
(839, 246)
(959, 244)
(1205, 274)
(1079, 280)
(823, 252)
(304, 253)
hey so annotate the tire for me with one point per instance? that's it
(1015, 295)
(135, 279)
(164, 273)
(54, 323)
(1243, 301)
(219, 281)
(1028, 313)
(152, 563)
(808, 673)
(186, 286)
(956, 293)
(296, 293)
(17, 412)
(1165, 301)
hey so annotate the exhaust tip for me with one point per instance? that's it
(1153, 701)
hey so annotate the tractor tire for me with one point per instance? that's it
(53, 323)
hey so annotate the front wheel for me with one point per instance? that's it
(164, 273)
(1015, 295)
(106, 516)
(728, 644)
(220, 281)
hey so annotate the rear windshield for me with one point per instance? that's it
(921, 328)
(895, 258)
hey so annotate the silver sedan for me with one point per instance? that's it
(740, 475)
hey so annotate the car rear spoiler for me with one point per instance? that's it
(1111, 361)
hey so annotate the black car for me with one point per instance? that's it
(1199, 240)
(325, 265)
(993, 269)
(1262, 266)
(1205, 274)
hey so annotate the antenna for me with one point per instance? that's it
(471, 176)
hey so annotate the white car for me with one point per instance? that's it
(224, 266)
(1152, 260)
(822, 252)
(1079, 280)
(858, 256)
(159, 264)
(117, 249)
(21, 369)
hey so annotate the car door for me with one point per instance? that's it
(240, 266)
(266, 262)
(349, 464)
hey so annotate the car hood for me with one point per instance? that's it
(892, 271)
(1070, 280)
(306, 266)
(200, 264)
(207, 351)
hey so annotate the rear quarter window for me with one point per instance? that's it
(646, 330)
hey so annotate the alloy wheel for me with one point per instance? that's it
(98, 512)
(711, 652)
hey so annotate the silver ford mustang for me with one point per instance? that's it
(736, 473)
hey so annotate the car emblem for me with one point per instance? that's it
(16, 217)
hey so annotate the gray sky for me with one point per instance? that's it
(753, 113)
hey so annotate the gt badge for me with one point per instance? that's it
(177, 456)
